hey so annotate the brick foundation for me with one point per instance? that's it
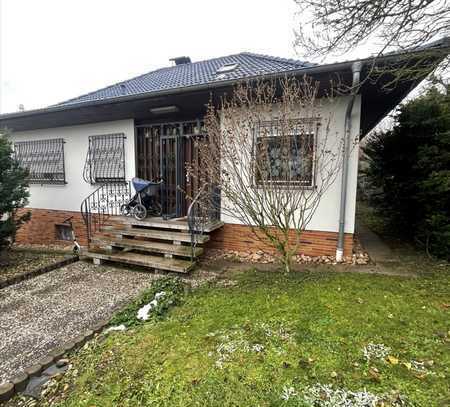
(313, 243)
(40, 229)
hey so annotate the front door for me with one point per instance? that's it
(162, 153)
(170, 172)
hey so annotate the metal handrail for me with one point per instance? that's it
(101, 204)
(196, 227)
(200, 215)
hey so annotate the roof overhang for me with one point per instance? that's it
(192, 100)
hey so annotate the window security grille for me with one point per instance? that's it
(44, 160)
(285, 153)
(105, 160)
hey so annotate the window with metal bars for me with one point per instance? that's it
(44, 160)
(105, 159)
(284, 153)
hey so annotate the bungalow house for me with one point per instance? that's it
(82, 154)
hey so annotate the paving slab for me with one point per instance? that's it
(378, 250)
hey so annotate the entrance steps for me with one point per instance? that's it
(154, 243)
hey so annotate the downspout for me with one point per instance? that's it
(356, 70)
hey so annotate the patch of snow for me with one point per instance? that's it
(376, 351)
(145, 310)
(159, 295)
(288, 393)
(325, 395)
(143, 313)
(258, 348)
(119, 328)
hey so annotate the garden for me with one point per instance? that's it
(314, 338)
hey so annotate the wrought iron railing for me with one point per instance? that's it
(203, 211)
(104, 202)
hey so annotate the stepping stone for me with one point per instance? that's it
(35, 386)
(55, 370)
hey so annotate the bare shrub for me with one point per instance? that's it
(271, 156)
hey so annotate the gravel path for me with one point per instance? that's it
(47, 311)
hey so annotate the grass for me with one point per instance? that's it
(249, 344)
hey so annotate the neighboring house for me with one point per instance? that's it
(88, 146)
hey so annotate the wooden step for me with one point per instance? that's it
(160, 223)
(153, 234)
(148, 246)
(145, 260)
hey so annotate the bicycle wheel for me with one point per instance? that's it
(139, 212)
(125, 209)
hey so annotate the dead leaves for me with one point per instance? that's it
(375, 353)
(374, 373)
(408, 365)
(306, 362)
(392, 360)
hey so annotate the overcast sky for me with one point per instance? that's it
(52, 50)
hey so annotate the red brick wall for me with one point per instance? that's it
(312, 243)
(40, 229)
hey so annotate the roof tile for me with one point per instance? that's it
(196, 73)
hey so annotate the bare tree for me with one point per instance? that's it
(271, 156)
(338, 26)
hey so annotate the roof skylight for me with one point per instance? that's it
(227, 68)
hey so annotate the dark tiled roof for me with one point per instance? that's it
(196, 73)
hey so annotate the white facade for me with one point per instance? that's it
(326, 216)
(69, 197)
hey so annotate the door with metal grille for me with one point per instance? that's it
(148, 151)
(172, 171)
(162, 152)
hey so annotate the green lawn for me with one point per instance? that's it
(272, 337)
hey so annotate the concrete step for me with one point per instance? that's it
(145, 260)
(153, 234)
(148, 246)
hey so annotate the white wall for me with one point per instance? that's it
(69, 197)
(326, 217)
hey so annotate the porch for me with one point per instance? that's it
(172, 241)
(163, 152)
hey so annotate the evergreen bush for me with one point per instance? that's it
(409, 167)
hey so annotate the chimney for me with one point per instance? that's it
(181, 60)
